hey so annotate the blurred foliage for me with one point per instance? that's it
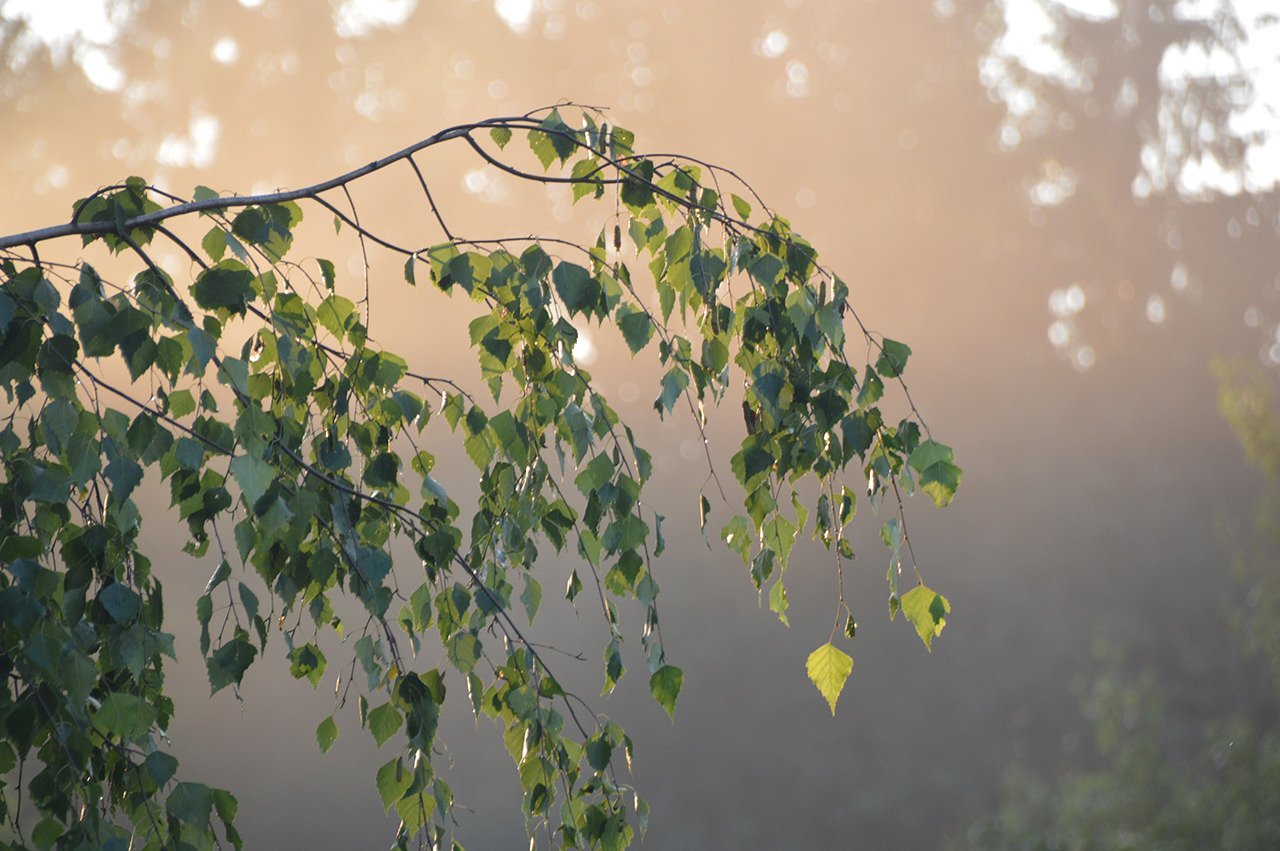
(1145, 795)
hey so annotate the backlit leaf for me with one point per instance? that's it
(927, 610)
(939, 476)
(665, 685)
(828, 668)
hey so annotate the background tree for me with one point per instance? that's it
(1150, 790)
(293, 444)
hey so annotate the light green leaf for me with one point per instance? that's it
(636, 326)
(598, 471)
(393, 780)
(215, 243)
(328, 272)
(254, 476)
(939, 476)
(384, 721)
(181, 403)
(780, 536)
(326, 734)
(872, 390)
(501, 136)
(927, 610)
(531, 597)
(464, 651)
(828, 668)
(665, 686)
(778, 603)
(125, 715)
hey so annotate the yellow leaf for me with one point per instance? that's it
(828, 667)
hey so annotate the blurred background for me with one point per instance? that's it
(1067, 208)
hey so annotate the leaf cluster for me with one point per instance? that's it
(295, 450)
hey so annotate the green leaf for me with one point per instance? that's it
(573, 587)
(742, 208)
(501, 136)
(598, 471)
(120, 601)
(778, 603)
(531, 597)
(229, 662)
(576, 288)
(779, 536)
(307, 661)
(228, 285)
(326, 734)
(599, 752)
(665, 686)
(161, 766)
(893, 358)
(327, 271)
(636, 326)
(336, 314)
(181, 403)
(613, 667)
(554, 140)
(939, 476)
(219, 575)
(191, 803)
(673, 384)
(254, 476)
(464, 651)
(927, 610)
(268, 227)
(384, 722)
(393, 781)
(125, 715)
(215, 243)
(828, 668)
(872, 389)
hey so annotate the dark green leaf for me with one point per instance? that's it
(576, 288)
(893, 358)
(191, 803)
(121, 602)
(227, 285)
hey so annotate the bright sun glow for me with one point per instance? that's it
(85, 31)
(1185, 151)
(516, 14)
